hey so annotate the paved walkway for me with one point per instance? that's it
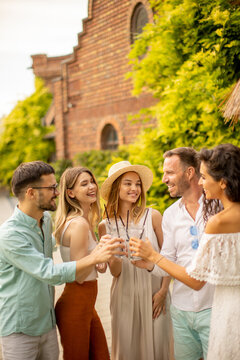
(7, 205)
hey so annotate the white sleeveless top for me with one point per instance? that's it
(65, 250)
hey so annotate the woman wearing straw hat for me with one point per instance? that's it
(81, 331)
(141, 324)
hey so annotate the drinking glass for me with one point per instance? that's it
(111, 229)
(136, 231)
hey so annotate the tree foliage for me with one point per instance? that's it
(188, 58)
(22, 135)
(99, 161)
(60, 166)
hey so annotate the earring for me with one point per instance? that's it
(223, 184)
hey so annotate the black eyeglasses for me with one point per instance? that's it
(53, 187)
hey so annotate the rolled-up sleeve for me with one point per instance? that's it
(168, 249)
(19, 252)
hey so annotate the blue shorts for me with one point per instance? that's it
(191, 333)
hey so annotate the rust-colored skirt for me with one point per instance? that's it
(80, 328)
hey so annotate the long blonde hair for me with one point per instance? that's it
(112, 205)
(67, 204)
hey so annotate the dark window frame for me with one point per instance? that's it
(138, 20)
(109, 138)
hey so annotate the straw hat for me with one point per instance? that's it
(123, 167)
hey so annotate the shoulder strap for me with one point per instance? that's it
(65, 228)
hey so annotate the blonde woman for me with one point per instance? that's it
(141, 325)
(81, 331)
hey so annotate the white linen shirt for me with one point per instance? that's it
(177, 247)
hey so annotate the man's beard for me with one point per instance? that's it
(43, 205)
(182, 186)
(46, 207)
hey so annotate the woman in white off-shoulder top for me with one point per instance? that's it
(217, 259)
(81, 331)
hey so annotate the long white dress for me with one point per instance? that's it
(135, 335)
(218, 262)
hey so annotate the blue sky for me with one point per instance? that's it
(30, 27)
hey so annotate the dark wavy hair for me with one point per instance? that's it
(222, 162)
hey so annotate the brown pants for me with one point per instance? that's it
(80, 328)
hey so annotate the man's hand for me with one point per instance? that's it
(107, 248)
(104, 239)
(101, 254)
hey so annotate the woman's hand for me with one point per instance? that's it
(143, 264)
(158, 301)
(142, 249)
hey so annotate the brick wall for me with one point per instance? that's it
(91, 90)
(48, 67)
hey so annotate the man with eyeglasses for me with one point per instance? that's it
(183, 226)
(27, 272)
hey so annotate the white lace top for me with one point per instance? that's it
(217, 260)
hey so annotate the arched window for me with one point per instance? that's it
(109, 138)
(138, 21)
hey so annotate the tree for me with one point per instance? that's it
(188, 59)
(99, 161)
(23, 136)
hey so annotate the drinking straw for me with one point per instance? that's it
(121, 221)
(127, 224)
(115, 216)
(107, 214)
(124, 226)
(141, 235)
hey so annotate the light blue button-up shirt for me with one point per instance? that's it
(27, 275)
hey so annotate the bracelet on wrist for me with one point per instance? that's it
(161, 257)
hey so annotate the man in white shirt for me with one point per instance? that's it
(183, 226)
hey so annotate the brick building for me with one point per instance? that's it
(91, 96)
